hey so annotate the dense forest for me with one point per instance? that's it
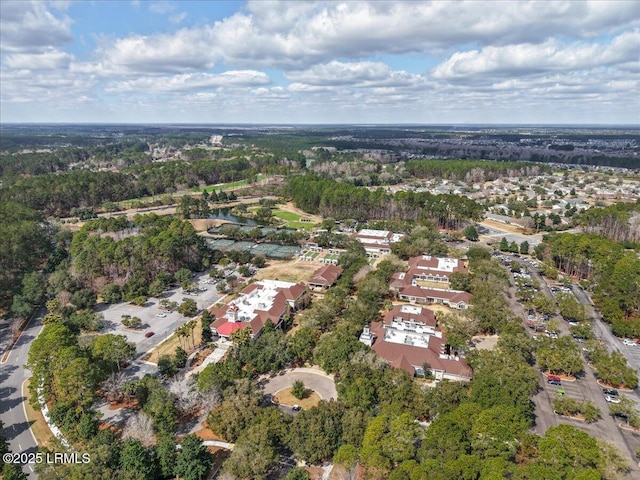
(619, 222)
(58, 194)
(139, 255)
(343, 200)
(476, 171)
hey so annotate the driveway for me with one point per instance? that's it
(314, 379)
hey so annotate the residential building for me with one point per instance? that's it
(261, 301)
(409, 339)
(324, 277)
(377, 242)
(434, 269)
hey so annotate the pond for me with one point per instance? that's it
(225, 214)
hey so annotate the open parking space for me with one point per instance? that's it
(154, 319)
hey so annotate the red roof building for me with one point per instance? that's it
(428, 268)
(261, 301)
(408, 338)
(324, 277)
(434, 269)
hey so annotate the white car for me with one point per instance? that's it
(612, 399)
(628, 341)
(161, 315)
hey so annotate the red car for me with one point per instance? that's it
(554, 380)
(149, 334)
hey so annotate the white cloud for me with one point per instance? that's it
(29, 26)
(44, 87)
(527, 59)
(296, 35)
(177, 18)
(161, 8)
(50, 59)
(187, 49)
(190, 82)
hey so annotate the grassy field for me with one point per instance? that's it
(177, 195)
(225, 186)
(287, 271)
(293, 219)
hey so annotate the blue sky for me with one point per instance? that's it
(266, 61)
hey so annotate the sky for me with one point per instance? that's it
(306, 62)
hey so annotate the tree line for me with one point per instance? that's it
(342, 200)
(611, 271)
(619, 222)
(55, 194)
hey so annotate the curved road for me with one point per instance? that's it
(314, 379)
(13, 373)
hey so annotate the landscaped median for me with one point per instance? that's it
(570, 407)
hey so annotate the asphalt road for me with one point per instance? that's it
(12, 375)
(584, 388)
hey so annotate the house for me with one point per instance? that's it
(408, 338)
(434, 269)
(377, 242)
(324, 277)
(452, 298)
(261, 301)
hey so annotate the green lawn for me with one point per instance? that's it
(288, 216)
(298, 225)
(293, 220)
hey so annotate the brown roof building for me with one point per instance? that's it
(377, 242)
(324, 277)
(408, 338)
(261, 301)
(434, 269)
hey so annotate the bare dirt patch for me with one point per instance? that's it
(287, 270)
(206, 434)
(486, 342)
(285, 397)
(202, 224)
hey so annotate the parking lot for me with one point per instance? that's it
(161, 326)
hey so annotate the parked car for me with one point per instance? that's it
(610, 391)
(296, 408)
(628, 341)
(612, 398)
(161, 315)
(149, 334)
(554, 380)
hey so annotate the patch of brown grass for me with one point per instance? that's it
(39, 427)
(169, 347)
(287, 270)
(206, 434)
(502, 226)
(285, 397)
